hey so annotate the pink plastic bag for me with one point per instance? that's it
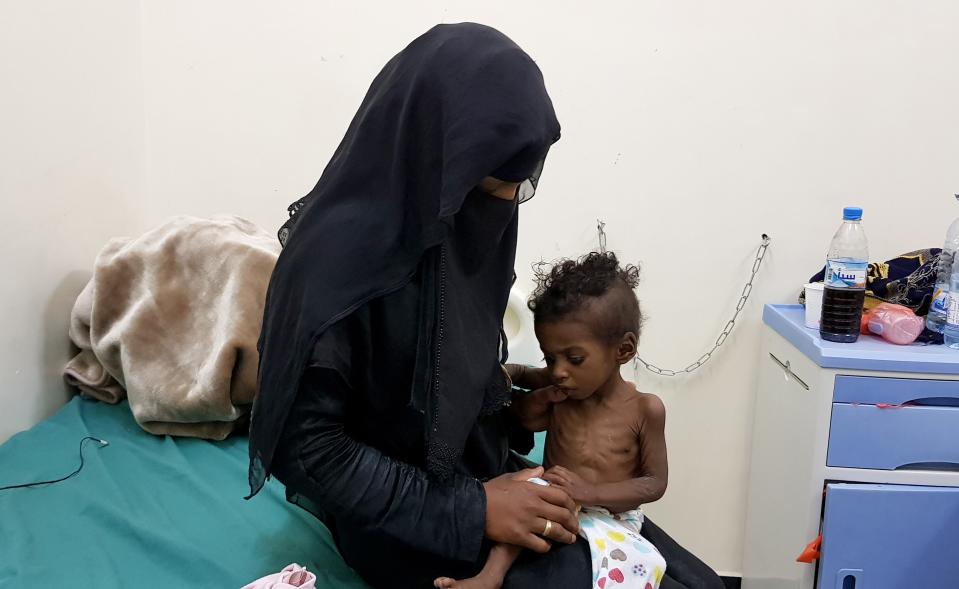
(894, 323)
(290, 577)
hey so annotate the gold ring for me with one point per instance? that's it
(548, 528)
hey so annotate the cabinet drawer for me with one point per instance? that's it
(911, 437)
(890, 537)
(895, 391)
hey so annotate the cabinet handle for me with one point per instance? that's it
(946, 466)
(788, 371)
(849, 579)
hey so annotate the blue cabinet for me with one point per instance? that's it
(858, 443)
(890, 537)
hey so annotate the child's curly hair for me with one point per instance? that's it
(597, 280)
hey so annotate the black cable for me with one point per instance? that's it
(60, 480)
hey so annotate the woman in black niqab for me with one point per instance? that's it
(381, 389)
(460, 103)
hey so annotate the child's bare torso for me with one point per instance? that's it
(598, 439)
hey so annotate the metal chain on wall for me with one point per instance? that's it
(744, 297)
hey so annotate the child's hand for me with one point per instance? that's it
(578, 490)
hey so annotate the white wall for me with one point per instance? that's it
(689, 127)
(71, 173)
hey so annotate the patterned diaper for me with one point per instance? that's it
(621, 557)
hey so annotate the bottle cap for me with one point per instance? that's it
(851, 214)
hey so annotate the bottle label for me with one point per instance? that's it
(953, 317)
(940, 302)
(846, 274)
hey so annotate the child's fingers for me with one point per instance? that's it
(556, 478)
(529, 473)
(558, 497)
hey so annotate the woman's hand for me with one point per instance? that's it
(551, 395)
(527, 377)
(533, 410)
(578, 490)
(517, 511)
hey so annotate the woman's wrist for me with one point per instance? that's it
(528, 377)
(516, 373)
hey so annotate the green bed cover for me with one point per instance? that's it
(146, 511)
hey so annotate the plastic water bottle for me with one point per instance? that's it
(936, 319)
(845, 280)
(951, 332)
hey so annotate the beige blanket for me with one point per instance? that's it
(171, 319)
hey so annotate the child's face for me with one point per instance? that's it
(579, 362)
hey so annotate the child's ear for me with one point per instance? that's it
(626, 350)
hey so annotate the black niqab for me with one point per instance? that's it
(460, 103)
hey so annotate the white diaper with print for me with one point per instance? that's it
(621, 557)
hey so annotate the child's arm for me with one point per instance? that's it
(533, 410)
(631, 493)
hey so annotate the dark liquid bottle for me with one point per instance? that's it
(841, 314)
(845, 280)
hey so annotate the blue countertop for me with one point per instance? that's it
(868, 353)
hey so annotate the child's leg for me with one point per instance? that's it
(500, 559)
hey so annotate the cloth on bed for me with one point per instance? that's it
(146, 511)
(172, 318)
